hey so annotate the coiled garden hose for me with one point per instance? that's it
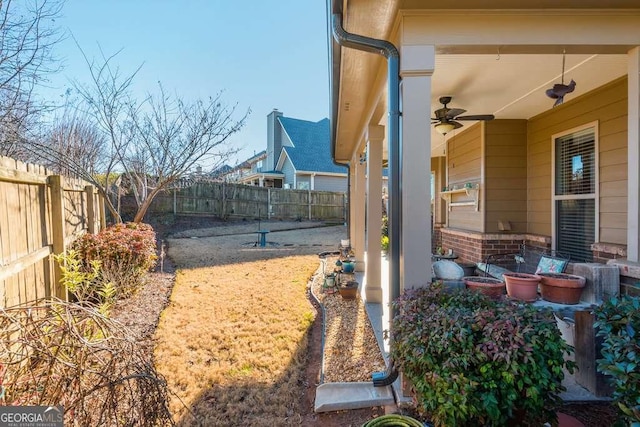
(393, 420)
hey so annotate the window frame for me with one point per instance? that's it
(595, 196)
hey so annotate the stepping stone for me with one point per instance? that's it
(342, 396)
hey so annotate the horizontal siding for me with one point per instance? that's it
(608, 106)
(505, 174)
(330, 183)
(464, 165)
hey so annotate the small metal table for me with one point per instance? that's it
(263, 237)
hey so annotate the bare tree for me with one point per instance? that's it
(158, 140)
(27, 36)
(172, 136)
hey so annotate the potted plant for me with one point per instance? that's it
(348, 289)
(348, 265)
(561, 288)
(493, 288)
(476, 361)
(522, 286)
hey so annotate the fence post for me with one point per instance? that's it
(91, 209)
(103, 213)
(175, 202)
(309, 200)
(58, 231)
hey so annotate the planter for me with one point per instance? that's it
(493, 288)
(329, 284)
(522, 286)
(348, 266)
(561, 288)
(349, 290)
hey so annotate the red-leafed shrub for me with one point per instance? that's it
(125, 251)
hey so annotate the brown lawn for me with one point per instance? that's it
(232, 343)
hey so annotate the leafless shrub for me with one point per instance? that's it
(58, 353)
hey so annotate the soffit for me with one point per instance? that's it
(482, 79)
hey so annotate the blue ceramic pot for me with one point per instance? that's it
(348, 266)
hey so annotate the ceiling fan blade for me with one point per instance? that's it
(477, 117)
(453, 112)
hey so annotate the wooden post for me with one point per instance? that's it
(309, 203)
(103, 213)
(91, 209)
(58, 231)
(587, 351)
(175, 202)
(268, 203)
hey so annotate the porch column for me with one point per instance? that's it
(416, 68)
(375, 137)
(358, 222)
(633, 155)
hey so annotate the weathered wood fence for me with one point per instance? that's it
(40, 215)
(224, 200)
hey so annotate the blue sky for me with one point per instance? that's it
(261, 54)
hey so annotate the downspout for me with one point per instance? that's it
(389, 51)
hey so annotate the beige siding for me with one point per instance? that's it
(464, 165)
(608, 106)
(505, 174)
(438, 167)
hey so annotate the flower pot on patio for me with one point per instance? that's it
(493, 288)
(561, 288)
(349, 290)
(522, 286)
(348, 266)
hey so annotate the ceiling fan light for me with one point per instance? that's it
(444, 128)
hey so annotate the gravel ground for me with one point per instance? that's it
(351, 352)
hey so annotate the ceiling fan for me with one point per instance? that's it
(446, 119)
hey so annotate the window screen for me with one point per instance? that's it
(575, 187)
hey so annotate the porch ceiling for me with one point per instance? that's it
(507, 81)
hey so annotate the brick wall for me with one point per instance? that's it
(472, 247)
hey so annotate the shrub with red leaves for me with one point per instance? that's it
(126, 252)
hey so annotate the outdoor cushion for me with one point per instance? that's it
(447, 270)
(551, 265)
(492, 270)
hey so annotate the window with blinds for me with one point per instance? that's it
(575, 194)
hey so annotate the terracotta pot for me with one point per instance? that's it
(522, 286)
(561, 288)
(493, 288)
(349, 290)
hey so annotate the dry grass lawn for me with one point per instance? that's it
(233, 341)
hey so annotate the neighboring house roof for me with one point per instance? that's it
(222, 170)
(257, 156)
(311, 147)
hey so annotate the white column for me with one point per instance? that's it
(352, 203)
(633, 156)
(416, 67)
(357, 231)
(375, 138)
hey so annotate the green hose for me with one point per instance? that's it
(393, 420)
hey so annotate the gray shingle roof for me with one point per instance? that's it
(311, 150)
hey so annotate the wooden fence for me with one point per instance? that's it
(40, 215)
(224, 200)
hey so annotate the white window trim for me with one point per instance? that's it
(596, 142)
